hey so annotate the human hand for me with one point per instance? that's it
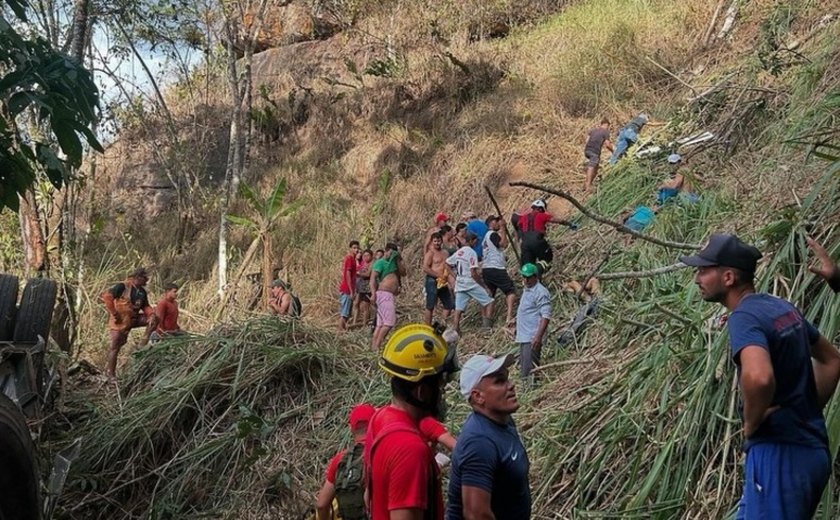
(825, 267)
(536, 344)
(750, 429)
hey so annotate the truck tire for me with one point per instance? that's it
(19, 477)
(8, 305)
(36, 309)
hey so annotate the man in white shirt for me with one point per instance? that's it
(468, 282)
(494, 267)
(531, 319)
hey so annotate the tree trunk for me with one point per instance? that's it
(34, 247)
(266, 269)
(81, 9)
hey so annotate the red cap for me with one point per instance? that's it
(441, 217)
(361, 413)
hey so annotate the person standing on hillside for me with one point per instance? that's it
(345, 473)
(363, 293)
(441, 219)
(347, 287)
(532, 318)
(787, 371)
(128, 306)
(385, 280)
(532, 227)
(597, 139)
(494, 266)
(167, 312)
(628, 136)
(489, 477)
(403, 477)
(478, 228)
(469, 283)
(436, 285)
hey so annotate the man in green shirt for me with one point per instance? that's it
(385, 285)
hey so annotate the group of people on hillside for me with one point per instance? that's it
(128, 307)
(461, 264)
(391, 470)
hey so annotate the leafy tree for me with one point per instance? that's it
(64, 100)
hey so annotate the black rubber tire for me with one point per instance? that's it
(9, 286)
(19, 478)
(34, 315)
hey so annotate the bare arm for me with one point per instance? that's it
(323, 505)
(428, 261)
(476, 504)
(758, 384)
(503, 237)
(448, 440)
(374, 283)
(407, 514)
(826, 362)
(608, 144)
(285, 303)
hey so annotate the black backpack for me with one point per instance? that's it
(350, 484)
(296, 308)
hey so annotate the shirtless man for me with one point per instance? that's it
(280, 301)
(441, 219)
(437, 276)
(385, 285)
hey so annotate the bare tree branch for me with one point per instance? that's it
(618, 226)
(641, 274)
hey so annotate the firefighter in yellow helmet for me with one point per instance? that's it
(400, 466)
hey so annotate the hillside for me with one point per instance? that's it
(635, 419)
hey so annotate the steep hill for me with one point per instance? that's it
(635, 419)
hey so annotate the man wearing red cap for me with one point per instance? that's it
(345, 473)
(441, 219)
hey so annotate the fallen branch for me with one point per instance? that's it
(618, 226)
(504, 224)
(641, 274)
(668, 72)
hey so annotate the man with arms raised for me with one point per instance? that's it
(469, 285)
(787, 372)
(489, 478)
(494, 267)
(437, 275)
(385, 285)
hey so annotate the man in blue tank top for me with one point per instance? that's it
(787, 372)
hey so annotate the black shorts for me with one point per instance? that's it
(363, 296)
(592, 158)
(536, 250)
(434, 295)
(498, 279)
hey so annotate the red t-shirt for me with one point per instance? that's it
(348, 265)
(431, 429)
(167, 313)
(540, 220)
(403, 467)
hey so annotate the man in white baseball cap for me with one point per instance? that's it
(489, 477)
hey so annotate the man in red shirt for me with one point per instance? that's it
(403, 477)
(167, 312)
(360, 417)
(347, 288)
(531, 228)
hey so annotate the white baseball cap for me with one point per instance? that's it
(539, 203)
(480, 366)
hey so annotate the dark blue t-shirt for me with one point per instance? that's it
(480, 229)
(490, 456)
(776, 325)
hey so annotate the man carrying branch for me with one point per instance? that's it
(787, 372)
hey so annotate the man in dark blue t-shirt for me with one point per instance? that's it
(479, 227)
(787, 373)
(489, 477)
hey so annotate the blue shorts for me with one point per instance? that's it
(434, 295)
(477, 293)
(345, 305)
(783, 481)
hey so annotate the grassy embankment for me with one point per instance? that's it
(637, 420)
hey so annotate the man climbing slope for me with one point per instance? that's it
(597, 139)
(787, 372)
(128, 306)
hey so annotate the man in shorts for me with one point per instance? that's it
(494, 267)
(347, 288)
(437, 275)
(128, 306)
(468, 283)
(441, 219)
(363, 293)
(597, 139)
(385, 278)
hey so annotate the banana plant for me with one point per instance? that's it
(264, 214)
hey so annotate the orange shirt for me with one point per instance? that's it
(167, 313)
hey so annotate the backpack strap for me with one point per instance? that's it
(531, 217)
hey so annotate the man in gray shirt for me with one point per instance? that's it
(531, 319)
(597, 139)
